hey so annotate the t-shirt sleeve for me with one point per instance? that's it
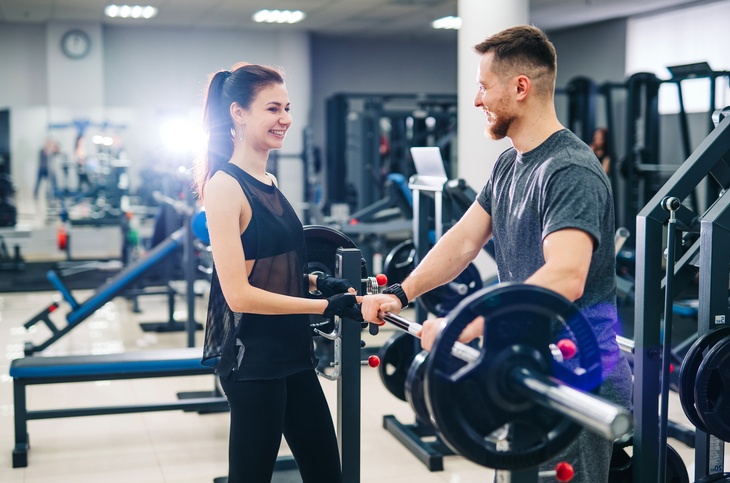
(575, 198)
(484, 198)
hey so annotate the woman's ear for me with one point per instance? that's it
(237, 113)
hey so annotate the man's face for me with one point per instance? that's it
(493, 98)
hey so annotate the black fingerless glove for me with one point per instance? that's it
(329, 286)
(344, 305)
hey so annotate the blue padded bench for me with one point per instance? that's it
(127, 365)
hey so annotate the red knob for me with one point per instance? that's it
(567, 348)
(381, 279)
(62, 238)
(671, 368)
(564, 471)
(373, 361)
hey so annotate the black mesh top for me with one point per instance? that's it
(253, 346)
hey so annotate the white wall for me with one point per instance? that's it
(682, 37)
(23, 64)
(133, 77)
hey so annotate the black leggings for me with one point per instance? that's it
(263, 410)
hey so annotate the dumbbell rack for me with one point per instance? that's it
(709, 253)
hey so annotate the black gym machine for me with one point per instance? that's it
(369, 136)
(699, 253)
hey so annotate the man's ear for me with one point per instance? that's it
(522, 86)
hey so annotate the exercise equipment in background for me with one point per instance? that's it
(704, 260)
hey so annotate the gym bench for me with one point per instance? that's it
(28, 371)
(115, 286)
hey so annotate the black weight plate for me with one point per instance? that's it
(442, 300)
(322, 243)
(676, 471)
(414, 388)
(712, 390)
(469, 404)
(715, 478)
(395, 360)
(620, 470)
(400, 262)
(688, 373)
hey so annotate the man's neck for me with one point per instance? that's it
(532, 130)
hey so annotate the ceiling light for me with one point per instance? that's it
(130, 11)
(278, 16)
(450, 22)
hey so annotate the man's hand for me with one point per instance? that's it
(374, 306)
(432, 327)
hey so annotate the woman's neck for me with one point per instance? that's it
(251, 161)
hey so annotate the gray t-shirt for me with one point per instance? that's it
(560, 184)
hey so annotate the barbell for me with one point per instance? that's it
(517, 382)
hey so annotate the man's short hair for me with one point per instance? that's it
(524, 49)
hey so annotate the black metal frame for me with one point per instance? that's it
(348, 266)
(712, 157)
(420, 438)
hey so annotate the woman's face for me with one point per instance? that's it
(598, 138)
(267, 119)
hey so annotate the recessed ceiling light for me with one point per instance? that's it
(450, 22)
(130, 11)
(279, 16)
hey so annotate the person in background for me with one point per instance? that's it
(46, 167)
(549, 208)
(599, 145)
(82, 167)
(257, 333)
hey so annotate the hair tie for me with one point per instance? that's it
(227, 73)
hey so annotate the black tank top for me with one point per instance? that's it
(253, 346)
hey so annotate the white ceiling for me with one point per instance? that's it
(352, 18)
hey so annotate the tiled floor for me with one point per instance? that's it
(172, 446)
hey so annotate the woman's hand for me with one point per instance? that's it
(329, 286)
(344, 305)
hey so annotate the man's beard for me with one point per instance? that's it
(500, 126)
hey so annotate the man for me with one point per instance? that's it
(549, 207)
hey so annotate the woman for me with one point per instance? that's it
(599, 145)
(257, 331)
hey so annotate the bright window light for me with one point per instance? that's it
(278, 16)
(450, 22)
(130, 11)
(181, 135)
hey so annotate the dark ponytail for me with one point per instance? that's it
(240, 85)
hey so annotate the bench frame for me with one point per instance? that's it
(213, 403)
